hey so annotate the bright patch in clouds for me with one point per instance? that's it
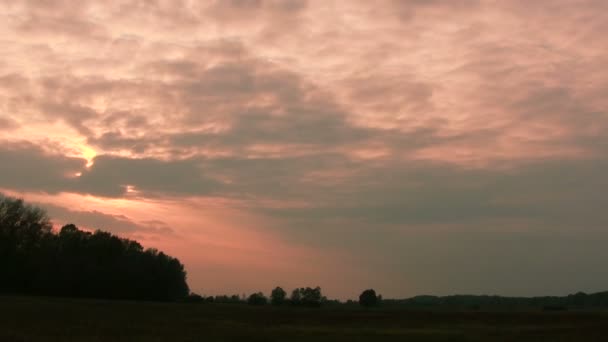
(88, 154)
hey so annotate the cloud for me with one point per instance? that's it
(408, 9)
(118, 224)
(27, 167)
(539, 193)
(113, 176)
(246, 10)
(380, 124)
(7, 123)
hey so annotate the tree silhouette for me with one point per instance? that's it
(307, 297)
(194, 298)
(23, 230)
(257, 299)
(278, 295)
(368, 298)
(296, 297)
(34, 260)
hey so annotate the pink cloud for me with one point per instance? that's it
(251, 127)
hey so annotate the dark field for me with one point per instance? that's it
(49, 319)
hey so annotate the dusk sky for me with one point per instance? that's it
(410, 146)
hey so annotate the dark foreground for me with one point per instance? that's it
(45, 319)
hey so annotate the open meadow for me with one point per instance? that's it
(24, 319)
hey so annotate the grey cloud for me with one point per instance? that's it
(300, 125)
(561, 106)
(178, 98)
(259, 103)
(57, 18)
(25, 166)
(282, 176)
(273, 19)
(128, 119)
(223, 80)
(293, 111)
(277, 178)
(558, 194)
(390, 94)
(205, 87)
(246, 6)
(486, 261)
(110, 176)
(289, 5)
(94, 219)
(62, 26)
(70, 100)
(13, 81)
(413, 219)
(73, 114)
(547, 102)
(117, 141)
(7, 123)
(408, 9)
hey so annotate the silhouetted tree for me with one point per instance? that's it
(278, 295)
(368, 298)
(234, 299)
(194, 298)
(257, 299)
(34, 260)
(24, 230)
(296, 297)
(307, 297)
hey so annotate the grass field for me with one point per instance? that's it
(52, 319)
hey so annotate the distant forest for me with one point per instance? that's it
(470, 302)
(35, 260)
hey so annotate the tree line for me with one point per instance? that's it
(551, 303)
(300, 297)
(35, 260)
(312, 297)
(38, 261)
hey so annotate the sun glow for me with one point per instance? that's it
(89, 154)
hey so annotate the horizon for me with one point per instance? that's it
(413, 147)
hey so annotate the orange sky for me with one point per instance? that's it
(410, 146)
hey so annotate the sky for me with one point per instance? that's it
(410, 146)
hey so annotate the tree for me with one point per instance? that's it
(278, 295)
(234, 299)
(368, 298)
(295, 297)
(76, 263)
(257, 299)
(24, 234)
(307, 297)
(194, 298)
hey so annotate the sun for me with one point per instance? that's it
(89, 154)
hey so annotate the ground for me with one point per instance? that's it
(25, 319)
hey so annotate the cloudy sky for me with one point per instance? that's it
(412, 146)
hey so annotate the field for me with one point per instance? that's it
(25, 319)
